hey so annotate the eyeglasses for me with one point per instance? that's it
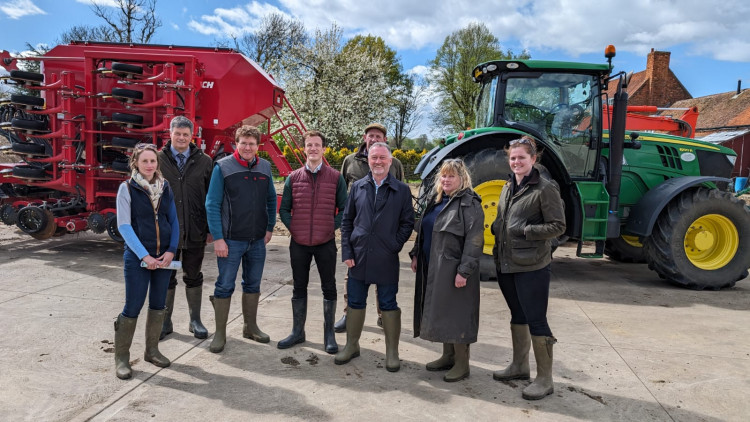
(144, 145)
(521, 141)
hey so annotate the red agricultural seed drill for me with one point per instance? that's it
(98, 100)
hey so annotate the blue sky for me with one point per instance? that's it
(709, 40)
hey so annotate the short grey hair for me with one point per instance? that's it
(380, 144)
(180, 122)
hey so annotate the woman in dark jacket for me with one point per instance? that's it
(147, 220)
(446, 259)
(530, 215)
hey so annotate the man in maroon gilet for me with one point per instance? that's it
(311, 206)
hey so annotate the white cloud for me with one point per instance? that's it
(174, 26)
(16, 9)
(105, 3)
(573, 26)
(232, 22)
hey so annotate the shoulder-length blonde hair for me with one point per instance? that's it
(452, 166)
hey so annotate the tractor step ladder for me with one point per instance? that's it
(595, 206)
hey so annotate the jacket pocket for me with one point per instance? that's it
(526, 252)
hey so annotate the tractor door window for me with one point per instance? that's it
(486, 104)
(562, 108)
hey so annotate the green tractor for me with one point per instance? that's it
(637, 197)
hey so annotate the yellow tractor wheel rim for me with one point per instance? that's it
(490, 193)
(632, 241)
(711, 242)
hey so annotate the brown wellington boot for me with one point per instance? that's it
(250, 313)
(542, 385)
(392, 329)
(355, 321)
(154, 322)
(124, 330)
(166, 327)
(519, 368)
(444, 362)
(460, 369)
(221, 310)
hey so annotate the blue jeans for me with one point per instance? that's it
(357, 294)
(139, 281)
(252, 256)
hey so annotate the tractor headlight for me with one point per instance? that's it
(732, 159)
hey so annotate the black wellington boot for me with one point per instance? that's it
(329, 337)
(299, 315)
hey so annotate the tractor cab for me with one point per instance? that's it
(556, 102)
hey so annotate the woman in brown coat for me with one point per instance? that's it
(530, 215)
(446, 259)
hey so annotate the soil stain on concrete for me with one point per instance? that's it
(288, 360)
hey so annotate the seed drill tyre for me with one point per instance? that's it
(701, 240)
(27, 100)
(621, 250)
(26, 76)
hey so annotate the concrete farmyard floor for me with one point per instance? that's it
(630, 348)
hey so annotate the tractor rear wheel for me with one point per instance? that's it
(701, 240)
(625, 249)
(489, 170)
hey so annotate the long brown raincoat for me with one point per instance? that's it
(443, 312)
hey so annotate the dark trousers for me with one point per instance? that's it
(192, 262)
(357, 296)
(325, 259)
(527, 295)
(141, 282)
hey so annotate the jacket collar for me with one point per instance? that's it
(386, 182)
(362, 151)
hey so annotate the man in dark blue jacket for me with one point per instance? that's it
(241, 212)
(377, 221)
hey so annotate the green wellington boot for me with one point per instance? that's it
(392, 329)
(519, 368)
(355, 321)
(154, 324)
(445, 361)
(221, 310)
(460, 369)
(250, 313)
(124, 330)
(542, 385)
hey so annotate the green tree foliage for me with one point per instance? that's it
(376, 48)
(451, 73)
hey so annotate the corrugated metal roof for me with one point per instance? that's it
(720, 137)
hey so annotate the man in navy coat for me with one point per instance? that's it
(377, 221)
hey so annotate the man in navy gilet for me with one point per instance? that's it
(241, 212)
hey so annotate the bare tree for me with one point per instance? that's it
(87, 33)
(271, 41)
(131, 21)
(407, 110)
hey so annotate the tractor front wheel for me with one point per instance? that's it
(625, 249)
(701, 240)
